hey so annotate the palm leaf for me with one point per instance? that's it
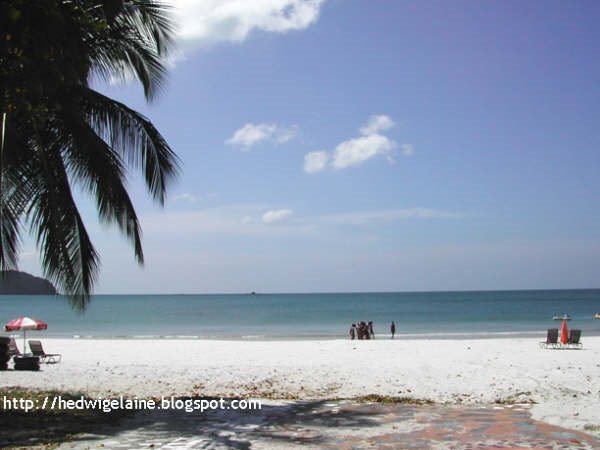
(95, 166)
(15, 192)
(9, 226)
(131, 57)
(135, 44)
(63, 133)
(68, 256)
(135, 138)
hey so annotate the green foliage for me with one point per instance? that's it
(60, 132)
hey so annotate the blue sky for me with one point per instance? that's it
(333, 145)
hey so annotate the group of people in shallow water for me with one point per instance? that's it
(365, 330)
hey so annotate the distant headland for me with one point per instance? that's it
(13, 282)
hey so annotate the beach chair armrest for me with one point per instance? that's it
(50, 358)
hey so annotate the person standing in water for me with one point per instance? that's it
(393, 329)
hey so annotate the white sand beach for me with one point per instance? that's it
(564, 384)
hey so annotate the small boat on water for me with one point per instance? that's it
(597, 316)
(563, 317)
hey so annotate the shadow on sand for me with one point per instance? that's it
(293, 424)
(283, 422)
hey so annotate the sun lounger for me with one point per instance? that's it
(551, 339)
(13, 350)
(574, 339)
(37, 350)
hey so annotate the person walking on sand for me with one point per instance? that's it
(370, 330)
(352, 331)
(393, 329)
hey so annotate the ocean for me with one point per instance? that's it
(310, 316)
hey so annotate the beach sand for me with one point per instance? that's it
(563, 384)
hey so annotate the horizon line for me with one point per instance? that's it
(353, 292)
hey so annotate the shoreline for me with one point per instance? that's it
(562, 387)
(442, 336)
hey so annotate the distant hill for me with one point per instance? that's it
(13, 282)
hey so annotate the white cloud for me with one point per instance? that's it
(376, 124)
(239, 220)
(356, 151)
(315, 161)
(205, 22)
(386, 215)
(251, 220)
(276, 215)
(282, 135)
(193, 198)
(186, 196)
(408, 149)
(251, 134)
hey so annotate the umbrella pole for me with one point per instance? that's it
(24, 334)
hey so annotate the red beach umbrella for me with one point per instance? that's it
(564, 332)
(25, 323)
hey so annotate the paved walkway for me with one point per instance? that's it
(338, 425)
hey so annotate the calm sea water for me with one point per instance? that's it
(304, 316)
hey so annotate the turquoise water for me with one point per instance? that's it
(304, 316)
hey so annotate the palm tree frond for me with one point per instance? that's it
(68, 255)
(15, 191)
(135, 138)
(61, 133)
(100, 171)
(155, 19)
(136, 44)
(9, 233)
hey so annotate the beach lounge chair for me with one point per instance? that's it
(13, 350)
(551, 339)
(37, 350)
(574, 339)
